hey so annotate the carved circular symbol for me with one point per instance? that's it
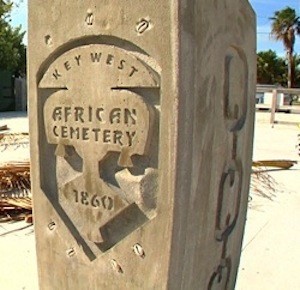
(235, 88)
(228, 200)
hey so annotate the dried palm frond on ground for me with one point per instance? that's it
(15, 175)
(15, 195)
(3, 128)
(284, 164)
(263, 184)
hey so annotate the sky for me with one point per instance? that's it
(263, 8)
(19, 16)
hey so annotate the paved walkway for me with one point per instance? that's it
(271, 250)
(18, 269)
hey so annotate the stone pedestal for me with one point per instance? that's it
(141, 125)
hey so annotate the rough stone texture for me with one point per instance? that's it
(141, 123)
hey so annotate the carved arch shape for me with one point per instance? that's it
(55, 83)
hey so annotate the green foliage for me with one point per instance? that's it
(271, 69)
(5, 8)
(12, 50)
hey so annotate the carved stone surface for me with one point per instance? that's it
(141, 124)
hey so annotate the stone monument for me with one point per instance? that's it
(141, 125)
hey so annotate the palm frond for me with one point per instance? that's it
(15, 189)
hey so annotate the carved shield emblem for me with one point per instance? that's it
(94, 111)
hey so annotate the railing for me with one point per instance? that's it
(274, 105)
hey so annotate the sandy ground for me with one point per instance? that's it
(17, 122)
(271, 252)
(271, 249)
(18, 268)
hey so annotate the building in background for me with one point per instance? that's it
(13, 92)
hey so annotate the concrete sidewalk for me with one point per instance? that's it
(271, 249)
(18, 269)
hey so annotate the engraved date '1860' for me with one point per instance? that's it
(94, 200)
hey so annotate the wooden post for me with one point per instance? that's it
(274, 106)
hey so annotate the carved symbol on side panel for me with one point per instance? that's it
(231, 180)
(235, 112)
(220, 277)
(94, 112)
(235, 89)
(229, 199)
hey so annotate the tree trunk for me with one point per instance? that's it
(291, 69)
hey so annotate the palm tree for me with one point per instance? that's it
(285, 27)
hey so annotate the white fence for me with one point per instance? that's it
(276, 102)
